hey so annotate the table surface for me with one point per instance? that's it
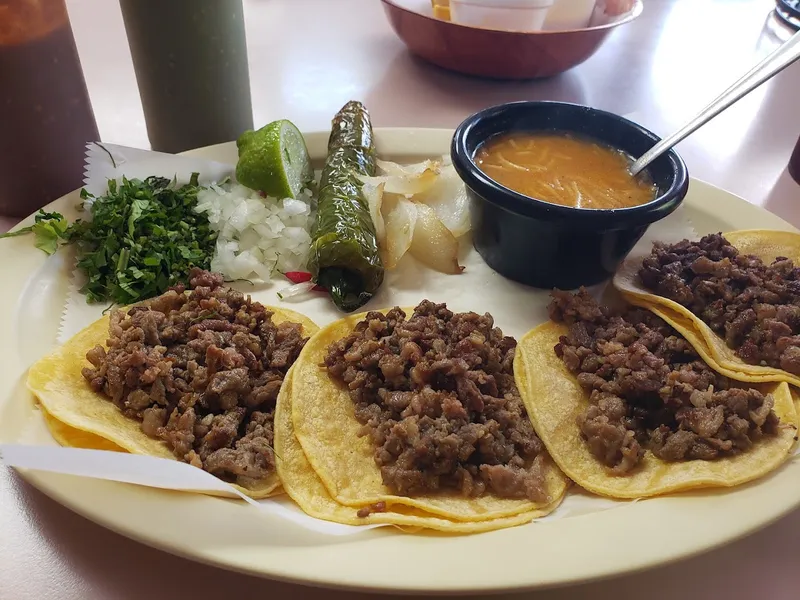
(307, 58)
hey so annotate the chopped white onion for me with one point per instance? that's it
(256, 235)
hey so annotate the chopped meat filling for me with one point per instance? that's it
(436, 394)
(649, 389)
(755, 307)
(202, 371)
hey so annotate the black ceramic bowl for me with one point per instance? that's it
(548, 245)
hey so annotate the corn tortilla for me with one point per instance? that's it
(324, 421)
(303, 486)
(75, 438)
(79, 417)
(688, 330)
(765, 244)
(555, 399)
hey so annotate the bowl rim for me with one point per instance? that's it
(634, 13)
(527, 206)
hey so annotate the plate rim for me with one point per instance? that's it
(409, 142)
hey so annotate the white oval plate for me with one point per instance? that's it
(232, 535)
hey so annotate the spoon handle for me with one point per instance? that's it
(781, 58)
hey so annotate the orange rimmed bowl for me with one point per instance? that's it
(493, 53)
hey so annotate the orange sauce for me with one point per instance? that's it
(563, 169)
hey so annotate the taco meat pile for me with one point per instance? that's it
(436, 394)
(754, 306)
(649, 389)
(202, 371)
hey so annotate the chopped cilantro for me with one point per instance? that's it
(48, 229)
(143, 237)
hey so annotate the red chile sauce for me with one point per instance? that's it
(46, 118)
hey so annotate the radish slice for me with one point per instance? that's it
(297, 289)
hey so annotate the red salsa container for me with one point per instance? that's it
(46, 118)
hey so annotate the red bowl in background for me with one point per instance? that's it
(493, 53)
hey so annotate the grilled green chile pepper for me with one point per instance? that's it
(344, 255)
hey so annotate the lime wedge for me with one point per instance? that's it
(274, 160)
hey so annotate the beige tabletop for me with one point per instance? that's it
(307, 58)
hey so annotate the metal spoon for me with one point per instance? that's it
(785, 55)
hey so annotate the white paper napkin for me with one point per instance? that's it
(154, 472)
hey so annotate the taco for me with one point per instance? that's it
(628, 409)
(304, 486)
(739, 293)
(421, 412)
(190, 375)
(75, 438)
